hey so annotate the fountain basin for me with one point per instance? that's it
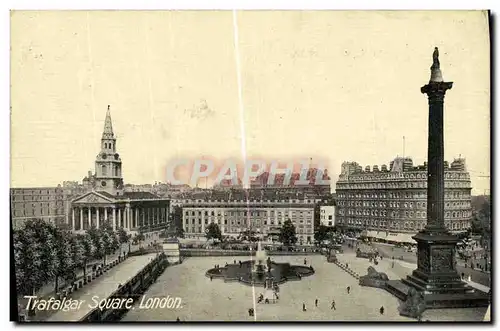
(248, 274)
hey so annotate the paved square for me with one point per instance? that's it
(205, 300)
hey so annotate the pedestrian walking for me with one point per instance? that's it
(382, 310)
(304, 307)
(305, 261)
(348, 289)
(333, 305)
(316, 302)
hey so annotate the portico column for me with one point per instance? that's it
(72, 218)
(90, 217)
(106, 214)
(119, 217)
(136, 220)
(97, 218)
(129, 217)
(114, 218)
(143, 212)
(149, 216)
(81, 217)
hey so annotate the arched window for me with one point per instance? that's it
(104, 170)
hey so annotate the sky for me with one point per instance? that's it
(328, 85)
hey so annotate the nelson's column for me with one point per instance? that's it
(436, 279)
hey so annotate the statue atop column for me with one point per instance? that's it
(435, 59)
(436, 75)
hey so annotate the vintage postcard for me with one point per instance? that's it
(256, 166)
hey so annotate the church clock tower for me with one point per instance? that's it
(108, 165)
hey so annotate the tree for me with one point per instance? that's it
(321, 233)
(140, 238)
(27, 262)
(287, 233)
(109, 242)
(77, 253)
(64, 261)
(96, 237)
(88, 251)
(43, 236)
(123, 238)
(213, 232)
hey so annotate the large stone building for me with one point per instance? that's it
(388, 201)
(46, 203)
(108, 202)
(237, 211)
(327, 215)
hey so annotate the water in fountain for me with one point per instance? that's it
(260, 258)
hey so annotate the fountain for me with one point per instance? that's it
(260, 257)
(260, 271)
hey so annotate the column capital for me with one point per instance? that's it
(436, 90)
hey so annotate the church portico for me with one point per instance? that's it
(106, 203)
(97, 209)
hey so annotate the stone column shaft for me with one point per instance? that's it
(90, 217)
(97, 217)
(136, 220)
(81, 218)
(119, 217)
(435, 154)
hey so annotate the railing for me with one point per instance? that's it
(192, 252)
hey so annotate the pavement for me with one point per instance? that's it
(206, 300)
(102, 287)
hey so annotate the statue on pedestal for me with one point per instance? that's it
(414, 305)
(374, 279)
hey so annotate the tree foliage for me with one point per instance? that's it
(123, 237)
(213, 232)
(97, 240)
(287, 233)
(64, 259)
(44, 235)
(77, 251)
(44, 253)
(321, 233)
(27, 262)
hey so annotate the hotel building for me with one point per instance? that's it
(390, 201)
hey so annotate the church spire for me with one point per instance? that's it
(108, 127)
